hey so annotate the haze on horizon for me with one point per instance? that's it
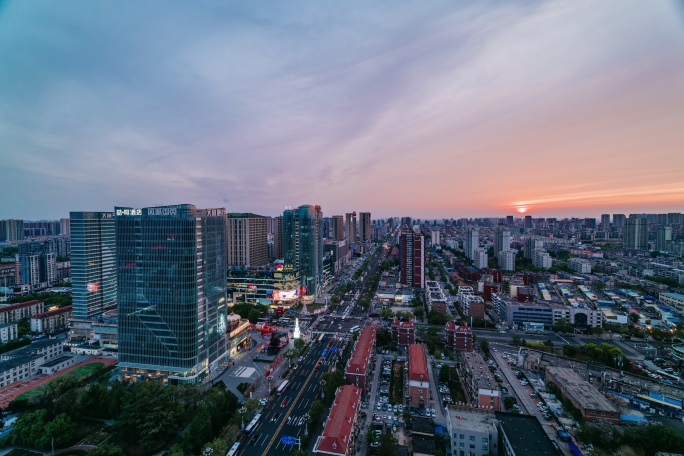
(435, 109)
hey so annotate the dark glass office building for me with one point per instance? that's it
(93, 257)
(303, 245)
(171, 263)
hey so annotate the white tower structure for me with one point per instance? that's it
(296, 334)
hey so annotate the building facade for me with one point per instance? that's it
(412, 258)
(246, 239)
(359, 367)
(171, 264)
(303, 245)
(636, 233)
(93, 263)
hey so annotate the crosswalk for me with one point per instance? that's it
(243, 371)
(296, 420)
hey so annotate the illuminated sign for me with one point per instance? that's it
(93, 287)
(251, 287)
(107, 215)
(120, 212)
(161, 211)
(285, 295)
(220, 212)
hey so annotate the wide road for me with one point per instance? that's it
(284, 415)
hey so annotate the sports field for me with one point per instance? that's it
(78, 373)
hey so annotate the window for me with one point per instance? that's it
(462, 436)
(472, 438)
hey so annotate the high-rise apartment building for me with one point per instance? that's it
(337, 227)
(480, 259)
(412, 257)
(502, 239)
(435, 237)
(636, 233)
(364, 227)
(532, 244)
(303, 245)
(93, 263)
(506, 260)
(664, 235)
(246, 239)
(605, 222)
(472, 241)
(64, 226)
(528, 222)
(619, 220)
(351, 227)
(171, 263)
(11, 230)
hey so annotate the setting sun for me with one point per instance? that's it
(522, 209)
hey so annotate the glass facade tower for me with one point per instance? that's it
(93, 256)
(303, 245)
(171, 263)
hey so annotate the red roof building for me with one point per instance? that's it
(358, 367)
(52, 320)
(19, 311)
(418, 379)
(341, 428)
(403, 333)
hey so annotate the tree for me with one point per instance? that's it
(419, 313)
(274, 345)
(634, 318)
(444, 374)
(484, 345)
(299, 345)
(217, 447)
(383, 338)
(389, 446)
(254, 315)
(107, 449)
(563, 326)
(515, 340)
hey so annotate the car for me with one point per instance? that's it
(432, 413)
(263, 401)
(284, 403)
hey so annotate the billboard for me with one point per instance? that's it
(93, 287)
(285, 295)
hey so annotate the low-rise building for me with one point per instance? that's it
(478, 382)
(458, 337)
(23, 363)
(579, 265)
(582, 394)
(51, 321)
(342, 426)
(16, 312)
(8, 332)
(418, 378)
(358, 371)
(522, 435)
(472, 431)
(674, 300)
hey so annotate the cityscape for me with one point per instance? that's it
(342, 229)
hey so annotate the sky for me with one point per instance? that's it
(432, 109)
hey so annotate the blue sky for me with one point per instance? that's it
(434, 109)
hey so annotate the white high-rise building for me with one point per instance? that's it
(507, 260)
(579, 265)
(472, 242)
(502, 239)
(480, 258)
(435, 237)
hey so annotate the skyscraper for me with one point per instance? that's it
(93, 263)
(502, 239)
(605, 222)
(278, 238)
(472, 241)
(303, 245)
(364, 227)
(351, 228)
(636, 233)
(11, 230)
(337, 227)
(412, 257)
(171, 263)
(619, 220)
(246, 239)
(664, 235)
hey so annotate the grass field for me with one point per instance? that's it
(78, 373)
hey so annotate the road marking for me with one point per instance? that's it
(284, 418)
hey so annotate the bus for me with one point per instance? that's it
(354, 329)
(667, 377)
(325, 352)
(320, 339)
(252, 424)
(233, 449)
(282, 387)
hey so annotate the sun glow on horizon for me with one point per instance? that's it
(521, 209)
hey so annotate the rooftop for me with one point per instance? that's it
(358, 364)
(57, 361)
(31, 348)
(417, 363)
(50, 313)
(581, 390)
(472, 419)
(19, 305)
(482, 377)
(15, 362)
(525, 434)
(340, 424)
(423, 444)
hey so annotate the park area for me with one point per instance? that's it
(77, 374)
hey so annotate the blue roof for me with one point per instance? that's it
(674, 295)
(576, 451)
(439, 430)
(633, 419)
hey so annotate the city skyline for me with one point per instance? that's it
(433, 110)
